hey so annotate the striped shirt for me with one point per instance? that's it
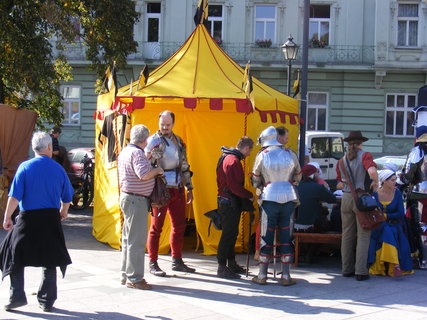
(132, 166)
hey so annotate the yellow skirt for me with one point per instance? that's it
(386, 254)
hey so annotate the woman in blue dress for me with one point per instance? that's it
(389, 251)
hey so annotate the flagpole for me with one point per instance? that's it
(304, 79)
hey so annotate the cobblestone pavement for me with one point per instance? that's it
(92, 290)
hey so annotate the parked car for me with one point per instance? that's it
(399, 161)
(325, 148)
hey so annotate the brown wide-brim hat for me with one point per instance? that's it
(355, 135)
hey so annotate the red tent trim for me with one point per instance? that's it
(277, 114)
(242, 105)
(215, 104)
(190, 103)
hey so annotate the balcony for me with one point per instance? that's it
(150, 52)
(336, 55)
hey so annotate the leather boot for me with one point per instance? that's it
(155, 269)
(261, 278)
(226, 273)
(286, 279)
(233, 266)
(179, 265)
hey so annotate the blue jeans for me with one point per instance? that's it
(278, 215)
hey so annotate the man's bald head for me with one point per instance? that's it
(166, 122)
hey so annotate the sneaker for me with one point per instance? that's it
(179, 265)
(155, 269)
(45, 308)
(226, 273)
(14, 305)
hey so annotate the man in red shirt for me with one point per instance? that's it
(231, 193)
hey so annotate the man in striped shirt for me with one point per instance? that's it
(136, 180)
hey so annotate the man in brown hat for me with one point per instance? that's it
(362, 169)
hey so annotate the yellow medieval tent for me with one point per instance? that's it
(202, 85)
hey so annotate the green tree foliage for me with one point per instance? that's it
(35, 35)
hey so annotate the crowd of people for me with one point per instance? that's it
(290, 197)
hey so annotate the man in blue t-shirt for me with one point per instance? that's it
(43, 192)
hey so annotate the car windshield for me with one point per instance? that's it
(327, 147)
(399, 161)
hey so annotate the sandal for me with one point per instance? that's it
(259, 280)
(396, 271)
(287, 282)
(141, 285)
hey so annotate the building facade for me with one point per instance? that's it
(367, 60)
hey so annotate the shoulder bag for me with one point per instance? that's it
(160, 195)
(367, 211)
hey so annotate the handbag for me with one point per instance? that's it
(160, 195)
(366, 202)
(368, 219)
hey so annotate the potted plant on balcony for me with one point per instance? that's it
(218, 40)
(316, 43)
(263, 43)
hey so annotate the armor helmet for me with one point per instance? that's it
(268, 137)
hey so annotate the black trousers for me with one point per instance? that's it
(230, 231)
(47, 293)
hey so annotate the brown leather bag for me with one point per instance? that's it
(368, 220)
(160, 195)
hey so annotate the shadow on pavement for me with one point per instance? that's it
(287, 304)
(61, 314)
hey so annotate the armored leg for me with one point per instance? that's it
(261, 278)
(286, 279)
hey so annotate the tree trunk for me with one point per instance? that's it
(1, 91)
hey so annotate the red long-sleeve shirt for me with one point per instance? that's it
(230, 177)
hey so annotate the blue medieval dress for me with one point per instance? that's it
(389, 246)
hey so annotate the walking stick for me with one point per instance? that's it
(251, 219)
(274, 253)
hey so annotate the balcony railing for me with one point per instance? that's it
(331, 55)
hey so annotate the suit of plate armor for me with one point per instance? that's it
(275, 170)
(415, 174)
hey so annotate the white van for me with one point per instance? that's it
(326, 148)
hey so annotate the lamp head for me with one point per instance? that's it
(290, 49)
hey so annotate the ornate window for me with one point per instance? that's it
(317, 111)
(152, 19)
(399, 115)
(215, 22)
(71, 104)
(265, 23)
(407, 25)
(319, 28)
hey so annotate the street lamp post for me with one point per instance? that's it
(290, 51)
